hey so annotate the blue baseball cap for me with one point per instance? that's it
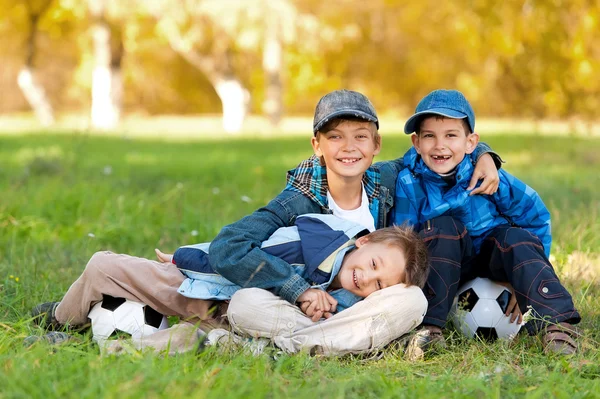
(448, 103)
(340, 103)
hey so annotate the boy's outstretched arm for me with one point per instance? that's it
(236, 252)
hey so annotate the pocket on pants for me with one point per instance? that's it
(551, 289)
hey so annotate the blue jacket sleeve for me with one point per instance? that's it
(405, 209)
(524, 207)
(193, 258)
(236, 254)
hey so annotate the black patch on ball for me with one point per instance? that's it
(486, 333)
(503, 300)
(111, 303)
(467, 300)
(152, 317)
(119, 334)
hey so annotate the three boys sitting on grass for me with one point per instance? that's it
(282, 306)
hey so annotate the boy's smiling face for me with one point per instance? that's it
(348, 149)
(443, 142)
(371, 267)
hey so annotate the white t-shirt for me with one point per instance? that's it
(360, 215)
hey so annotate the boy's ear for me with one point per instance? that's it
(361, 241)
(472, 140)
(377, 146)
(415, 140)
(316, 146)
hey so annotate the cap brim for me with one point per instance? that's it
(345, 112)
(411, 124)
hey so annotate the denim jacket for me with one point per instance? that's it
(236, 252)
(315, 247)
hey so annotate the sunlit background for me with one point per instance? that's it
(254, 65)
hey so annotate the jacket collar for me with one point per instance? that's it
(310, 178)
(415, 164)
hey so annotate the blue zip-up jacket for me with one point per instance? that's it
(315, 247)
(422, 194)
(236, 251)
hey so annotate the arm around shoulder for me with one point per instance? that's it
(481, 149)
(236, 252)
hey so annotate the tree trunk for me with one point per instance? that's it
(232, 93)
(234, 98)
(35, 95)
(28, 83)
(107, 85)
(273, 105)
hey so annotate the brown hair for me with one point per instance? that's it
(415, 252)
(423, 118)
(335, 122)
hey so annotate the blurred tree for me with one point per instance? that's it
(524, 58)
(272, 64)
(107, 83)
(183, 27)
(27, 79)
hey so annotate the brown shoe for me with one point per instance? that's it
(424, 340)
(560, 339)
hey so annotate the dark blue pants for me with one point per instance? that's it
(509, 254)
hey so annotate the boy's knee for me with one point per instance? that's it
(99, 262)
(401, 301)
(517, 235)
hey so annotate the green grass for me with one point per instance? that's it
(63, 197)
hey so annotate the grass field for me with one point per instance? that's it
(63, 197)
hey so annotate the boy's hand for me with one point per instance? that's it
(317, 303)
(513, 308)
(485, 169)
(165, 258)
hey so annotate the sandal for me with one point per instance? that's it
(424, 340)
(51, 338)
(560, 339)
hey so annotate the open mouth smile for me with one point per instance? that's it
(355, 279)
(440, 158)
(349, 161)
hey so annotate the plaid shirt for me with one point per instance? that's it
(422, 194)
(310, 179)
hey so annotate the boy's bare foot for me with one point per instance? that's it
(423, 340)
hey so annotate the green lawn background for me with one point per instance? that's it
(66, 196)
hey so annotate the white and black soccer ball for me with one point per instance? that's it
(478, 310)
(119, 316)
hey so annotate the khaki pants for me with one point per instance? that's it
(368, 325)
(147, 281)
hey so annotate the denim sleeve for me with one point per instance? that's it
(483, 148)
(389, 172)
(236, 254)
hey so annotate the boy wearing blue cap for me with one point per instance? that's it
(505, 236)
